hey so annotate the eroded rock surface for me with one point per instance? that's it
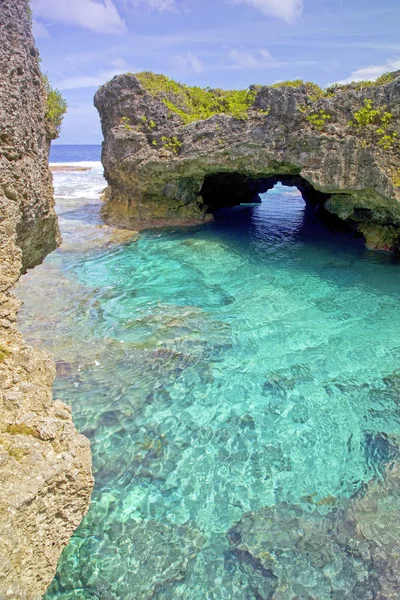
(45, 466)
(158, 168)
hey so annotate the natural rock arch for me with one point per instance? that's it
(226, 190)
(230, 189)
(165, 144)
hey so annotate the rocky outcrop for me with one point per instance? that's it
(45, 466)
(164, 165)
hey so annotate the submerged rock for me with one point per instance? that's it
(353, 551)
(173, 154)
(159, 554)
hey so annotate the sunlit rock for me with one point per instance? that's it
(174, 154)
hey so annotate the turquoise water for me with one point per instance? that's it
(216, 370)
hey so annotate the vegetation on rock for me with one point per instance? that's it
(315, 92)
(46, 476)
(29, 10)
(56, 105)
(361, 85)
(375, 116)
(291, 83)
(196, 103)
(170, 185)
(126, 123)
(318, 119)
(172, 144)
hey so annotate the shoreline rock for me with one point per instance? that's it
(164, 167)
(45, 465)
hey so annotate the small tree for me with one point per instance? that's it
(56, 105)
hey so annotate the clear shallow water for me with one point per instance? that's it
(216, 370)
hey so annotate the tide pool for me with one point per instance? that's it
(216, 370)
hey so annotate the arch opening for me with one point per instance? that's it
(228, 190)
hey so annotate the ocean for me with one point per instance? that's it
(74, 154)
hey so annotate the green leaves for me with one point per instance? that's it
(172, 144)
(56, 105)
(195, 103)
(318, 119)
(368, 115)
(126, 123)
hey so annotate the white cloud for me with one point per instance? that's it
(188, 62)
(40, 31)
(120, 64)
(160, 5)
(101, 16)
(81, 109)
(372, 72)
(254, 60)
(288, 10)
(86, 81)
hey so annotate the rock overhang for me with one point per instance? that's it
(157, 159)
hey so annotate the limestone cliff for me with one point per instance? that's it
(45, 466)
(172, 153)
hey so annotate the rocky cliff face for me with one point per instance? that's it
(340, 147)
(45, 466)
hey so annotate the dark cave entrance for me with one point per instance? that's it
(224, 191)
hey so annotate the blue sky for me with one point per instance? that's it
(217, 43)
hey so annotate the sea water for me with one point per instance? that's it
(216, 370)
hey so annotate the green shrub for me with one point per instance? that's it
(386, 78)
(315, 92)
(318, 119)
(361, 85)
(369, 115)
(126, 123)
(195, 103)
(293, 83)
(172, 144)
(56, 105)
(387, 140)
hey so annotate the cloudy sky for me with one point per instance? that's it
(217, 43)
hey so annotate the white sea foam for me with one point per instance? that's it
(95, 164)
(85, 185)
